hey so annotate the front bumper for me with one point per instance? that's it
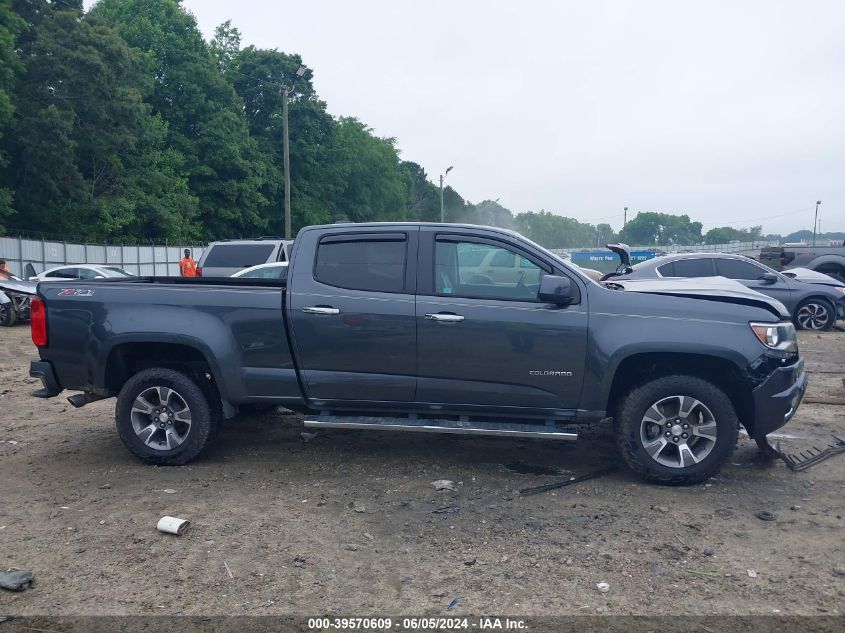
(43, 370)
(776, 400)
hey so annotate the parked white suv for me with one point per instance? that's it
(227, 257)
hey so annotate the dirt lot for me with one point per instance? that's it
(346, 523)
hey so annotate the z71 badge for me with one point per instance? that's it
(76, 292)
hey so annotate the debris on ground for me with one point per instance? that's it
(169, 491)
(350, 547)
(450, 509)
(524, 468)
(307, 437)
(765, 515)
(572, 480)
(810, 457)
(444, 484)
(15, 579)
(358, 507)
(172, 525)
(454, 603)
(228, 570)
(368, 536)
(752, 573)
(603, 587)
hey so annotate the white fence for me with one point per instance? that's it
(138, 259)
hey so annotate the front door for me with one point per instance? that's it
(352, 315)
(485, 339)
(750, 275)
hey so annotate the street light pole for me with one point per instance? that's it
(286, 151)
(816, 221)
(625, 218)
(442, 176)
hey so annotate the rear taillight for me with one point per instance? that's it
(199, 271)
(38, 322)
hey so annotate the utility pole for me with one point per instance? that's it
(286, 151)
(816, 221)
(442, 176)
(625, 218)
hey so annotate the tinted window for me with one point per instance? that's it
(238, 255)
(377, 265)
(457, 273)
(738, 269)
(86, 273)
(65, 273)
(698, 267)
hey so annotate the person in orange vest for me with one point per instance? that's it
(187, 266)
(5, 273)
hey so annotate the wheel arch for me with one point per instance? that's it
(639, 368)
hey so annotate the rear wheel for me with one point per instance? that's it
(815, 313)
(8, 315)
(676, 430)
(164, 417)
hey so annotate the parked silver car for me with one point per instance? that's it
(814, 300)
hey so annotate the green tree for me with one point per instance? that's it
(88, 157)
(725, 234)
(661, 229)
(205, 118)
(555, 231)
(423, 198)
(11, 24)
(225, 44)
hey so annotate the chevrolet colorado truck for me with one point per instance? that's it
(390, 326)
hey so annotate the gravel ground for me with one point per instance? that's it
(349, 523)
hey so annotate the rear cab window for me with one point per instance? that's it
(374, 262)
(238, 255)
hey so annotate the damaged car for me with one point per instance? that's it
(398, 327)
(15, 297)
(815, 301)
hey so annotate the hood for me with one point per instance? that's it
(19, 286)
(624, 252)
(811, 277)
(708, 288)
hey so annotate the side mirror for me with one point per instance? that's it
(554, 289)
(768, 278)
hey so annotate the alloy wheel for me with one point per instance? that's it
(678, 431)
(161, 418)
(813, 316)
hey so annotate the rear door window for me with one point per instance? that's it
(238, 255)
(375, 264)
(738, 269)
(697, 267)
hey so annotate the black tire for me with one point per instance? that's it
(629, 424)
(204, 417)
(8, 314)
(804, 320)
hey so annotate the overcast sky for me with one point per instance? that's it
(733, 112)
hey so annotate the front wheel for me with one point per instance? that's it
(815, 314)
(676, 430)
(164, 417)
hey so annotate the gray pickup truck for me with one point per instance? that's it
(412, 327)
(829, 260)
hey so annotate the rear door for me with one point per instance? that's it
(351, 306)
(489, 343)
